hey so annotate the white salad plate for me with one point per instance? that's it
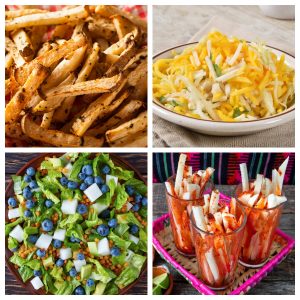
(221, 128)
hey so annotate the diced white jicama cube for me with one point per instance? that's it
(128, 206)
(212, 264)
(258, 183)
(134, 239)
(67, 169)
(65, 253)
(186, 196)
(214, 201)
(103, 247)
(14, 213)
(129, 255)
(110, 177)
(93, 192)
(69, 207)
(37, 283)
(44, 241)
(78, 264)
(99, 207)
(17, 233)
(244, 175)
(179, 174)
(59, 234)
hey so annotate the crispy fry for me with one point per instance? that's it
(11, 14)
(139, 140)
(129, 128)
(101, 85)
(102, 28)
(110, 10)
(23, 44)
(52, 137)
(50, 57)
(138, 74)
(122, 25)
(13, 50)
(103, 105)
(9, 60)
(23, 96)
(89, 141)
(124, 114)
(48, 18)
(47, 119)
(14, 130)
(36, 36)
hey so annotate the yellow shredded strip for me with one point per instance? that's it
(250, 70)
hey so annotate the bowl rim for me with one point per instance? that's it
(9, 186)
(155, 102)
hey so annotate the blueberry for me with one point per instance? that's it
(74, 239)
(49, 203)
(115, 251)
(80, 256)
(130, 190)
(27, 193)
(30, 204)
(57, 244)
(27, 178)
(40, 253)
(33, 184)
(64, 181)
(136, 207)
(79, 291)
(12, 202)
(98, 180)
(82, 209)
(73, 272)
(134, 229)
(90, 282)
(33, 238)
(59, 262)
(37, 273)
(89, 180)
(103, 230)
(81, 176)
(105, 214)
(145, 201)
(104, 188)
(72, 185)
(113, 223)
(105, 169)
(27, 213)
(30, 171)
(47, 225)
(87, 170)
(138, 198)
(83, 186)
(14, 249)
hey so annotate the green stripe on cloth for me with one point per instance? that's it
(166, 164)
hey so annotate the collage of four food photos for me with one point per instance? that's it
(161, 172)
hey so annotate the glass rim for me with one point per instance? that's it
(222, 234)
(186, 200)
(254, 208)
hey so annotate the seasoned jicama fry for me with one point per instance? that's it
(212, 264)
(214, 200)
(199, 217)
(233, 206)
(169, 187)
(244, 174)
(258, 183)
(281, 171)
(194, 190)
(253, 200)
(179, 174)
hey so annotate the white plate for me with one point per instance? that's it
(221, 128)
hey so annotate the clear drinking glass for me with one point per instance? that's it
(259, 233)
(217, 254)
(179, 211)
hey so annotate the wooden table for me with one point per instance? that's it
(14, 161)
(281, 281)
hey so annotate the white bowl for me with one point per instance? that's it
(221, 128)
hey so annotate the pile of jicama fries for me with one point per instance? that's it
(217, 254)
(83, 85)
(263, 192)
(188, 185)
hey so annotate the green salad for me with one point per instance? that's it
(77, 224)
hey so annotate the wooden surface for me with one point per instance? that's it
(281, 281)
(14, 161)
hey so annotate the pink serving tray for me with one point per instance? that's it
(160, 223)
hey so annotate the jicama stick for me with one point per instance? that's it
(244, 174)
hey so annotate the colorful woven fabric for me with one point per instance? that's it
(226, 165)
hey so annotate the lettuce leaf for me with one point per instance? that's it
(121, 197)
(34, 264)
(17, 184)
(77, 166)
(104, 275)
(138, 185)
(127, 276)
(118, 241)
(12, 243)
(92, 219)
(70, 220)
(25, 273)
(17, 260)
(9, 226)
(128, 218)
